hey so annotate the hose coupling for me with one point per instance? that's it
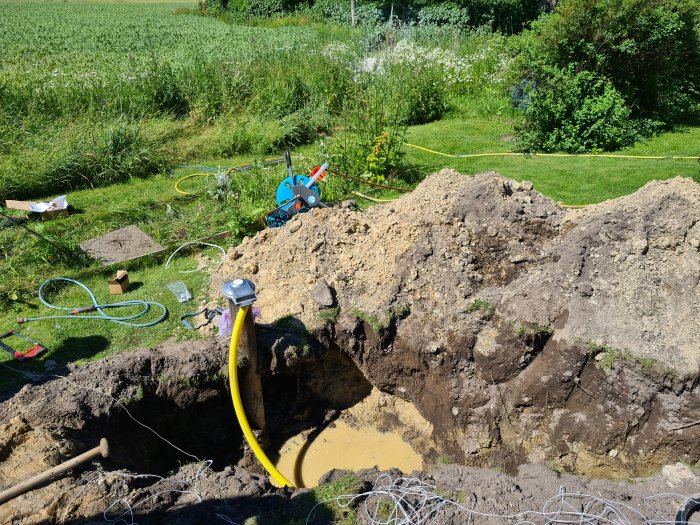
(240, 292)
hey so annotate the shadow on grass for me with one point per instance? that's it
(75, 348)
(34, 370)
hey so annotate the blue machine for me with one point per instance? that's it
(296, 194)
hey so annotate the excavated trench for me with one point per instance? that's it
(174, 396)
(202, 425)
(474, 320)
(521, 331)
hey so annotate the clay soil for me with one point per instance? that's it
(527, 352)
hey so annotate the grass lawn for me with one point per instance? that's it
(568, 180)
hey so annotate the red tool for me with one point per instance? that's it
(21, 355)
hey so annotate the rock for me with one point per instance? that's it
(640, 246)
(519, 258)
(349, 205)
(585, 289)
(322, 294)
(294, 226)
(678, 474)
(541, 212)
(526, 185)
(296, 308)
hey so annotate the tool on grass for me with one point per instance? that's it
(39, 479)
(209, 315)
(20, 355)
(296, 194)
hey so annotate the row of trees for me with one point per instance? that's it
(504, 15)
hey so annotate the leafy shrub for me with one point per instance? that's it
(507, 16)
(648, 49)
(255, 7)
(576, 112)
(370, 139)
(447, 14)
(424, 95)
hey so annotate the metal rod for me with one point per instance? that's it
(39, 479)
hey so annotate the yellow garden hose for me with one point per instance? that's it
(511, 154)
(238, 404)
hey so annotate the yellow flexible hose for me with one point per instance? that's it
(511, 154)
(238, 404)
(183, 179)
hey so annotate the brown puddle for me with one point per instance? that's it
(304, 458)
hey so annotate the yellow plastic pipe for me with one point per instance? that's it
(238, 404)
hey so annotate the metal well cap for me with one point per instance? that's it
(241, 292)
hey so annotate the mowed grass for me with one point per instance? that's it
(568, 180)
(153, 205)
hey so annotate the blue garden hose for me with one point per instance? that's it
(96, 307)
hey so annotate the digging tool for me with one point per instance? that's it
(21, 355)
(39, 479)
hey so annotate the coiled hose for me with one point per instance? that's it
(238, 404)
(97, 307)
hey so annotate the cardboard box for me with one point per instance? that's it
(119, 285)
(46, 210)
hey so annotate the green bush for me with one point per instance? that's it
(575, 112)
(447, 14)
(648, 49)
(423, 95)
(369, 142)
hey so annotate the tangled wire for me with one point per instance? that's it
(410, 501)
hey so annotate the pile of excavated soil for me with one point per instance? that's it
(441, 243)
(523, 333)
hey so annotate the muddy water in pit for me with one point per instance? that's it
(305, 457)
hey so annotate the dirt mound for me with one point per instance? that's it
(626, 275)
(523, 333)
(450, 237)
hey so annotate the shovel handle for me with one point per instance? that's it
(54, 472)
